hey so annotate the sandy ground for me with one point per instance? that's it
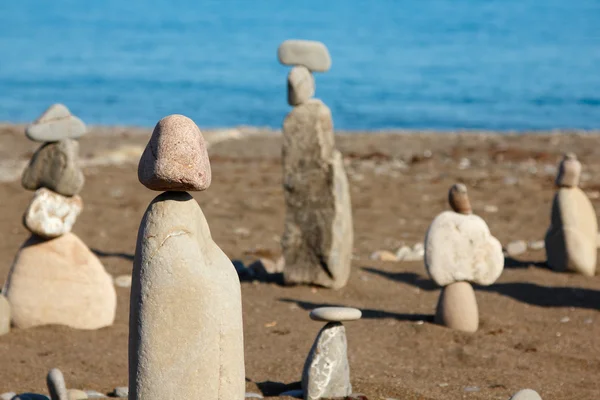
(539, 329)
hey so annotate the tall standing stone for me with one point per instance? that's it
(185, 326)
(318, 236)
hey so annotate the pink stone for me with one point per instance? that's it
(175, 157)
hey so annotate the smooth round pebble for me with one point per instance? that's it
(526, 394)
(123, 281)
(75, 394)
(121, 391)
(335, 314)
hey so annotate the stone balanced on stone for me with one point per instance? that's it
(326, 372)
(55, 278)
(318, 234)
(572, 235)
(459, 249)
(185, 326)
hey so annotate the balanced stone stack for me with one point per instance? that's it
(326, 372)
(55, 278)
(185, 326)
(318, 234)
(459, 249)
(572, 235)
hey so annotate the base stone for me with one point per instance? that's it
(457, 308)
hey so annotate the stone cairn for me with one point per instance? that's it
(185, 326)
(55, 278)
(326, 372)
(572, 235)
(459, 249)
(318, 236)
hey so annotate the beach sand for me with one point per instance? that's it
(539, 329)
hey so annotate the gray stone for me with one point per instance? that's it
(121, 391)
(311, 54)
(175, 157)
(326, 371)
(51, 214)
(335, 314)
(301, 85)
(457, 307)
(56, 123)
(4, 315)
(56, 385)
(571, 238)
(54, 166)
(318, 236)
(526, 394)
(185, 326)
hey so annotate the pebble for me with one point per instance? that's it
(7, 395)
(56, 123)
(510, 181)
(75, 394)
(383, 255)
(489, 208)
(242, 232)
(311, 54)
(536, 245)
(517, 247)
(472, 389)
(50, 214)
(564, 320)
(92, 394)
(297, 393)
(123, 281)
(405, 253)
(526, 394)
(121, 391)
(335, 314)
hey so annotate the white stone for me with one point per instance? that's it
(311, 54)
(51, 214)
(516, 248)
(76, 394)
(7, 395)
(59, 281)
(536, 245)
(526, 394)
(56, 123)
(326, 371)
(123, 281)
(460, 247)
(185, 332)
(335, 314)
(383, 255)
(121, 391)
(4, 315)
(56, 385)
(92, 394)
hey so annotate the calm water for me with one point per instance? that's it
(443, 64)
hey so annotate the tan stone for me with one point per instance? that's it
(76, 394)
(461, 248)
(571, 238)
(459, 199)
(56, 123)
(569, 171)
(4, 315)
(311, 54)
(59, 281)
(301, 85)
(318, 236)
(176, 157)
(185, 332)
(457, 308)
(51, 214)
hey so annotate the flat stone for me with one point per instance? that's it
(56, 385)
(176, 158)
(56, 123)
(50, 214)
(121, 391)
(311, 54)
(4, 315)
(335, 314)
(326, 372)
(76, 394)
(569, 171)
(301, 85)
(92, 394)
(526, 394)
(318, 236)
(71, 289)
(457, 307)
(250, 395)
(571, 238)
(54, 166)
(536, 245)
(123, 281)
(461, 248)
(185, 332)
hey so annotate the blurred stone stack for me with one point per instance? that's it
(55, 278)
(318, 236)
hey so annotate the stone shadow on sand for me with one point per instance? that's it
(101, 254)
(406, 277)
(366, 313)
(274, 389)
(510, 262)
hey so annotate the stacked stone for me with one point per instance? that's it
(318, 236)
(572, 235)
(459, 249)
(55, 278)
(185, 321)
(326, 372)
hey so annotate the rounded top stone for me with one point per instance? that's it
(526, 394)
(176, 157)
(335, 314)
(459, 199)
(569, 171)
(311, 54)
(569, 156)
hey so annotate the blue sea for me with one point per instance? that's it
(434, 64)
